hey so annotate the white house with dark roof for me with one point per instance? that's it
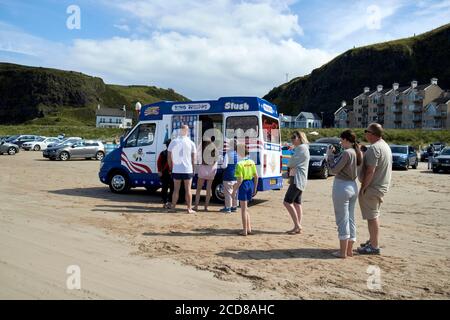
(302, 121)
(113, 118)
(308, 120)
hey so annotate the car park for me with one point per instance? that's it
(318, 165)
(40, 144)
(87, 149)
(404, 156)
(9, 148)
(442, 161)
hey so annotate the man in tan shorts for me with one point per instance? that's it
(375, 180)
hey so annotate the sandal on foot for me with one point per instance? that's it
(369, 250)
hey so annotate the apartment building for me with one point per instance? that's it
(436, 113)
(409, 107)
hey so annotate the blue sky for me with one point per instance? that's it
(204, 49)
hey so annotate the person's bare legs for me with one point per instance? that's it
(292, 212)
(244, 218)
(197, 193)
(299, 211)
(343, 248)
(188, 192)
(350, 248)
(208, 193)
(176, 192)
(374, 227)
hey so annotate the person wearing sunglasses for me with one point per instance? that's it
(375, 181)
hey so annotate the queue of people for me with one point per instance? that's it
(372, 167)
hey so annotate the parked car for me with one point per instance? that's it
(87, 149)
(318, 161)
(40, 144)
(438, 147)
(66, 142)
(335, 141)
(21, 139)
(404, 156)
(442, 161)
(9, 148)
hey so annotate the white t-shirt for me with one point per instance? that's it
(182, 149)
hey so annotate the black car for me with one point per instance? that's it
(318, 160)
(335, 141)
(442, 161)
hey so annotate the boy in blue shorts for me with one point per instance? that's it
(247, 182)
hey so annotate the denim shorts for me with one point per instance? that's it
(182, 176)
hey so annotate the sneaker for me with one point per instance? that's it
(368, 250)
(233, 209)
(225, 210)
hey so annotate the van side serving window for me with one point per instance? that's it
(248, 124)
(271, 129)
(144, 135)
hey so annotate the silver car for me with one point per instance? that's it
(9, 148)
(87, 149)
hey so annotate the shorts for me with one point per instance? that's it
(206, 172)
(293, 194)
(182, 176)
(370, 203)
(245, 192)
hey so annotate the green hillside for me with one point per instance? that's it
(44, 96)
(417, 58)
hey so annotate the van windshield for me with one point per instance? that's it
(399, 149)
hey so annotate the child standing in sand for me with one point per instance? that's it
(247, 182)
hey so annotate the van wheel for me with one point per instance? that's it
(407, 167)
(37, 147)
(64, 156)
(99, 156)
(12, 151)
(218, 194)
(119, 183)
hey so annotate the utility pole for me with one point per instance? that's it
(287, 77)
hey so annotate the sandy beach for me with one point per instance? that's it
(55, 214)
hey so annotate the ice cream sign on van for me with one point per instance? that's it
(191, 107)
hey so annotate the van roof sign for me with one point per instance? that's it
(155, 111)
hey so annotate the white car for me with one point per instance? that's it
(40, 144)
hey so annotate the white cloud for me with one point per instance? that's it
(204, 49)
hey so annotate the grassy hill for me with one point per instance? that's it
(417, 58)
(44, 96)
